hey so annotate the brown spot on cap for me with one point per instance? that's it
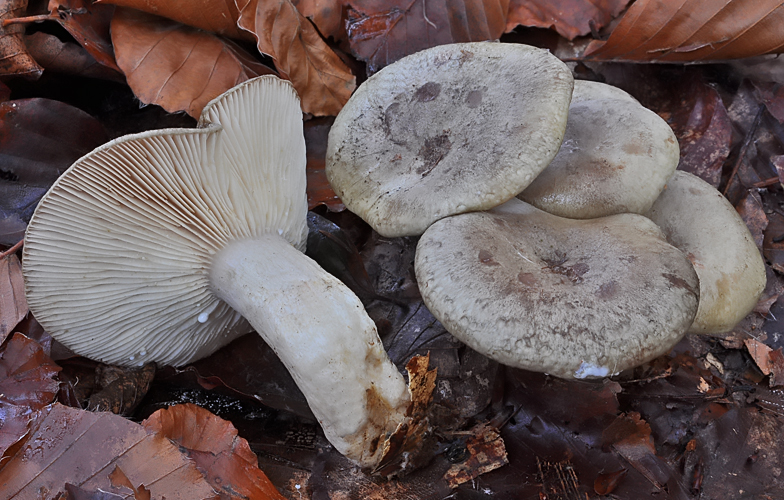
(427, 92)
(607, 290)
(433, 151)
(679, 283)
(527, 279)
(486, 258)
(474, 98)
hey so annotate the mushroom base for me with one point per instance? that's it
(321, 332)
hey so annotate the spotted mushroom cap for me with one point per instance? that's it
(700, 221)
(615, 158)
(447, 130)
(118, 252)
(572, 298)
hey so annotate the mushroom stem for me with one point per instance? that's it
(352, 387)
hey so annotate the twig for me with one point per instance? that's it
(12, 250)
(28, 19)
(742, 152)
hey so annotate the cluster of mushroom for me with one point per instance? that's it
(607, 256)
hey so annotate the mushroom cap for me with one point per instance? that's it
(586, 90)
(615, 158)
(572, 298)
(699, 220)
(451, 129)
(118, 252)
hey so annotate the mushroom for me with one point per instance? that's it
(155, 246)
(699, 220)
(572, 298)
(615, 158)
(447, 130)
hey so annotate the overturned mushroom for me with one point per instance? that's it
(699, 220)
(447, 130)
(615, 157)
(573, 298)
(155, 246)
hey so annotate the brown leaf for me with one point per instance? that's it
(704, 131)
(13, 304)
(89, 25)
(122, 388)
(570, 18)
(69, 58)
(772, 95)
(27, 374)
(323, 81)
(174, 66)
(487, 453)
(753, 214)
(773, 243)
(319, 190)
(693, 30)
(226, 459)
(327, 15)
(14, 59)
(760, 353)
(83, 448)
(215, 16)
(380, 32)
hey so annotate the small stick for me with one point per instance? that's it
(12, 250)
(28, 19)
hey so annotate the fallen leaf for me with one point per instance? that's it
(121, 388)
(324, 83)
(772, 95)
(319, 190)
(773, 243)
(753, 214)
(69, 58)
(776, 359)
(570, 18)
(27, 374)
(15, 422)
(215, 16)
(88, 23)
(693, 30)
(486, 453)
(760, 353)
(704, 132)
(380, 32)
(327, 15)
(67, 445)
(225, 458)
(175, 66)
(14, 59)
(119, 479)
(13, 304)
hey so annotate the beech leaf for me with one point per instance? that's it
(215, 16)
(381, 32)
(570, 18)
(82, 448)
(14, 59)
(26, 374)
(175, 66)
(324, 83)
(89, 25)
(693, 30)
(225, 458)
(13, 304)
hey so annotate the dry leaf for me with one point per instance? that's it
(319, 190)
(381, 32)
(487, 453)
(89, 25)
(174, 66)
(69, 58)
(215, 16)
(82, 448)
(693, 30)
(226, 459)
(760, 353)
(327, 15)
(27, 374)
(14, 59)
(324, 83)
(570, 18)
(13, 304)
